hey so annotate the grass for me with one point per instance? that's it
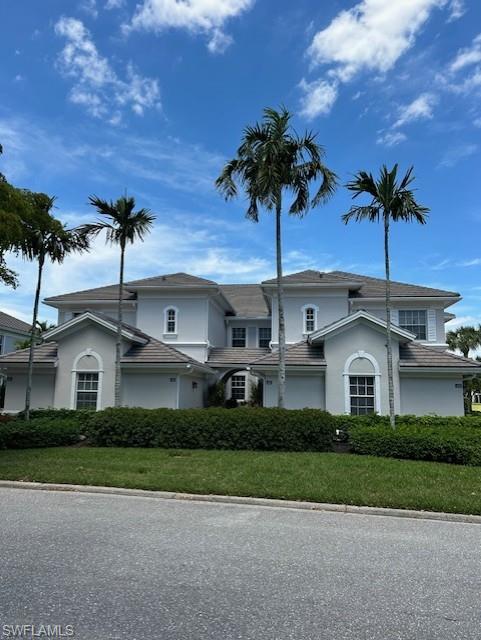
(320, 477)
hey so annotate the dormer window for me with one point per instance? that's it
(171, 320)
(309, 318)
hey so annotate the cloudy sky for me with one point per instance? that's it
(151, 96)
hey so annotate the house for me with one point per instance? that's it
(182, 333)
(12, 331)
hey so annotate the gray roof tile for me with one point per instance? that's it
(169, 280)
(418, 355)
(246, 299)
(155, 352)
(311, 276)
(12, 323)
(43, 354)
(235, 355)
(302, 353)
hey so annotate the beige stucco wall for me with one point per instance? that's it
(442, 396)
(43, 385)
(302, 390)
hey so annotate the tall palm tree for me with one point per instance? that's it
(272, 159)
(44, 238)
(465, 339)
(391, 201)
(122, 225)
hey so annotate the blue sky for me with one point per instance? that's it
(151, 96)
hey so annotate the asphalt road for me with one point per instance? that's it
(137, 568)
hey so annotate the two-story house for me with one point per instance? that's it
(12, 331)
(182, 333)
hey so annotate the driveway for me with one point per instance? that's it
(136, 568)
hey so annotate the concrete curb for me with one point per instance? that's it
(247, 501)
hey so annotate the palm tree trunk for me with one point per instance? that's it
(390, 376)
(33, 335)
(118, 342)
(281, 380)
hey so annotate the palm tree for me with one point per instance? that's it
(44, 238)
(391, 201)
(464, 339)
(122, 225)
(42, 326)
(271, 159)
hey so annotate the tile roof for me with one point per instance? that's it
(169, 280)
(43, 354)
(301, 353)
(155, 352)
(110, 292)
(417, 355)
(247, 300)
(311, 276)
(12, 323)
(370, 287)
(235, 355)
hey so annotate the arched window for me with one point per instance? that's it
(86, 384)
(362, 384)
(309, 318)
(170, 315)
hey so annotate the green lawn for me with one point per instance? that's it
(320, 477)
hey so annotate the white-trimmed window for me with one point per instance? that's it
(239, 336)
(264, 337)
(171, 320)
(238, 387)
(87, 390)
(2, 343)
(414, 321)
(309, 313)
(362, 395)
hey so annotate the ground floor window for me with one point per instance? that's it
(87, 390)
(361, 389)
(238, 388)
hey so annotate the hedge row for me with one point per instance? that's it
(254, 429)
(440, 444)
(346, 423)
(40, 432)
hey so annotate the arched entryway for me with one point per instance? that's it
(241, 386)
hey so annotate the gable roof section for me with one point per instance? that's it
(156, 352)
(108, 293)
(128, 331)
(247, 300)
(376, 288)
(415, 355)
(299, 354)
(344, 323)
(45, 354)
(13, 324)
(311, 276)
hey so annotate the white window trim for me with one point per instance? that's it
(232, 336)
(2, 343)
(429, 329)
(166, 312)
(258, 337)
(362, 355)
(75, 371)
(303, 311)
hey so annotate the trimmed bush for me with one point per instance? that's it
(215, 428)
(458, 445)
(41, 432)
(80, 415)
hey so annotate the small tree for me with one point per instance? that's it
(464, 339)
(44, 238)
(271, 160)
(391, 201)
(123, 226)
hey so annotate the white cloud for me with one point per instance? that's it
(90, 7)
(457, 153)
(391, 138)
(457, 10)
(318, 99)
(467, 56)
(197, 16)
(114, 4)
(97, 86)
(371, 36)
(419, 109)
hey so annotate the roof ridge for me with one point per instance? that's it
(427, 347)
(404, 284)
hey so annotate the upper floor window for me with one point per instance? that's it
(414, 321)
(171, 320)
(2, 343)
(309, 319)
(238, 336)
(264, 337)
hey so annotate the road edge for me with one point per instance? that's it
(247, 501)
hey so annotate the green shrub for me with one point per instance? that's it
(41, 432)
(215, 428)
(458, 445)
(59, 414)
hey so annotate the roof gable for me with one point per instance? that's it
(110, 324)
(13, 324)
(346, 323)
